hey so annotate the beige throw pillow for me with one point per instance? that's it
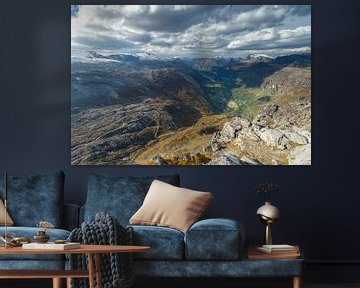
(10, 222)
(170, 206)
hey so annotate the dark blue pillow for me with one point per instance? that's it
(35, 198)
(121, 197)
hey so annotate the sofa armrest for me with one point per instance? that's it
(215, 239)
(71, 216)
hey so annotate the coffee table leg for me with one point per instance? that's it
(57, 283)
(91, 270)
(297, 282)
(68, 282)
(98, 270)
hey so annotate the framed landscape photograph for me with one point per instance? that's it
(191, 85)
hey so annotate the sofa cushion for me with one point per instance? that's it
(35, 198)
(214, 239)
(165, 243)
(29, 232)
(9, 221)
(121, 197)
(170, 206)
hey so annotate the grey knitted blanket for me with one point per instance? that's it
(116, 268)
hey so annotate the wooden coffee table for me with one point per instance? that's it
(92, 251)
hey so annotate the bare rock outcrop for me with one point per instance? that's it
(275, 136)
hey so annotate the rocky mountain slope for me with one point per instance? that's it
(112, 134)
(279, 133)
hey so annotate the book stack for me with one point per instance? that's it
(278, 249)
(51, 246)
(273, 252)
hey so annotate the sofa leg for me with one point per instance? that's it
(297, 282)
(57, 283)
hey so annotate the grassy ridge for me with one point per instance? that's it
(187, 146)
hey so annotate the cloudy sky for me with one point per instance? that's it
(192, 30)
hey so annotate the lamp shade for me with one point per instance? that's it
(269, 211)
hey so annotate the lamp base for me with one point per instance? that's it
(268, 237)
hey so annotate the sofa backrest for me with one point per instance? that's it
(119, 196)
(35, 198)
(70, 219)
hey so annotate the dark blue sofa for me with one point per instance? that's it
(210, 248)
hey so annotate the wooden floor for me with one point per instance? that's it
(45, 283)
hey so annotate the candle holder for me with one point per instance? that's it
(41, 237)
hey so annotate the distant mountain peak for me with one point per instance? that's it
(91, 56)
(260, 56)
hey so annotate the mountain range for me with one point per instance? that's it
(124, 107)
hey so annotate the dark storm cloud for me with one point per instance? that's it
(165, 20)
(301, 10)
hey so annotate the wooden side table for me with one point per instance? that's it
(254, 254)
(93, 251)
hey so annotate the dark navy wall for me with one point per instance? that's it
(318, 203)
